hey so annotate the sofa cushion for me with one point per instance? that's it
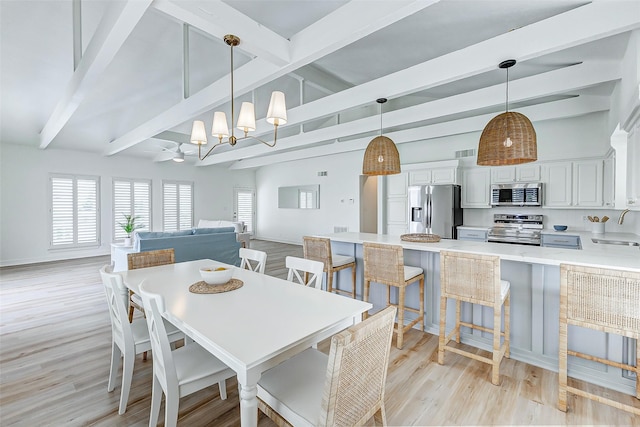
(213, 230)
(160, 234)
(206, 223)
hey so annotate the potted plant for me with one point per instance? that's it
(129, 226)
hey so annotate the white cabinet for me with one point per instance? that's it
(397, 185)
(446, 175)
(587, 183)
(574, 184)
(528, 173)
(509, 174)
(633, 168)
(476, 188)
(558, 185)
(396, 207)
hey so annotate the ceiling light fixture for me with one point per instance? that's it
(276, 115)
(381, 156)
(179, 156)
(509, 138)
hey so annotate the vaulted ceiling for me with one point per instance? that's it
(129, 77)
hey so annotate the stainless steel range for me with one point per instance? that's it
(514, 228)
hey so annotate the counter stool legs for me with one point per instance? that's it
(400, 328)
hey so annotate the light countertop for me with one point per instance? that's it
(591, 254)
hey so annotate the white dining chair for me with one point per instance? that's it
(180, 372)
(345, 388)
(127, 339)
(258, 257)
(305, 271)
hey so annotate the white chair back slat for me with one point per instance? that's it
(259, 259)
(117, 298)
(163, 365)
(299, 268)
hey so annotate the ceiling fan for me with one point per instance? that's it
(176, 154)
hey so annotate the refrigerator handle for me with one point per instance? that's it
(429, 210)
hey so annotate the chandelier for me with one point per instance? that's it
(276, 115)
(509, 138)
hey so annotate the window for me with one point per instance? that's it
(74, 211)
(177, 203)
(244, 208)
(131, 197)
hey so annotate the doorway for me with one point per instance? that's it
(368, 204)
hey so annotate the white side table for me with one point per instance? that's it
(244, 239)
(119, 256)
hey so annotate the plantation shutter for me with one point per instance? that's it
(74, 211)
(62, 211)
(244, 208)
(131, 198)
(177, 206)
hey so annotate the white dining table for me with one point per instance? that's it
(253, 328)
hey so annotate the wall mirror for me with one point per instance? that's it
(299, 197)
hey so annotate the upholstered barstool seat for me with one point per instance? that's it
(340, 260)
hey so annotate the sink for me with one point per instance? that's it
(615, 242)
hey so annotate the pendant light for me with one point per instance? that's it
(381, 156)
(509, 138)
(276, 115)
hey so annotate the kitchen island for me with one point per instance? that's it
(534, 273)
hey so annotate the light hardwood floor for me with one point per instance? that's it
(54, 362)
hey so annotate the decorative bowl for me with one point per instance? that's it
(216, 275)
(560, 227)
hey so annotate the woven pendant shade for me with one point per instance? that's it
(381, 157)
(509, 138)
(494, 150)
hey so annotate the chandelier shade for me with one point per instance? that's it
(276, 115)
(198, 133)
(509, 138)
(381, 156)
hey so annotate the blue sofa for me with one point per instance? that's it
(219, 244)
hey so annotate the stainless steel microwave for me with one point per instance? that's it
(520, 194)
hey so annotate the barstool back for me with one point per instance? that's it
(470, 277)
(383, 263)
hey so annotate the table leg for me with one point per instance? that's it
(248, 399)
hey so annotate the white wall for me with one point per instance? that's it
(24, 198)
(339, 202)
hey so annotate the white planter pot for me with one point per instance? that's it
(127, 241)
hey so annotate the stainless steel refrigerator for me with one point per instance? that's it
(435, 209)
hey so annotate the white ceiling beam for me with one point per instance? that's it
(218, 19)
(588, 23)
(379, 17)
(118, 22)
(554, 82)
(553, 110)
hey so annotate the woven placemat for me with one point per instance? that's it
(201, 287)
(420, 237)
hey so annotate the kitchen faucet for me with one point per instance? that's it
(621, 219)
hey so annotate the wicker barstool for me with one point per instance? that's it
(605, 300)
(385, 264)
(474, 279)
(142, 260)
(319, 249)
